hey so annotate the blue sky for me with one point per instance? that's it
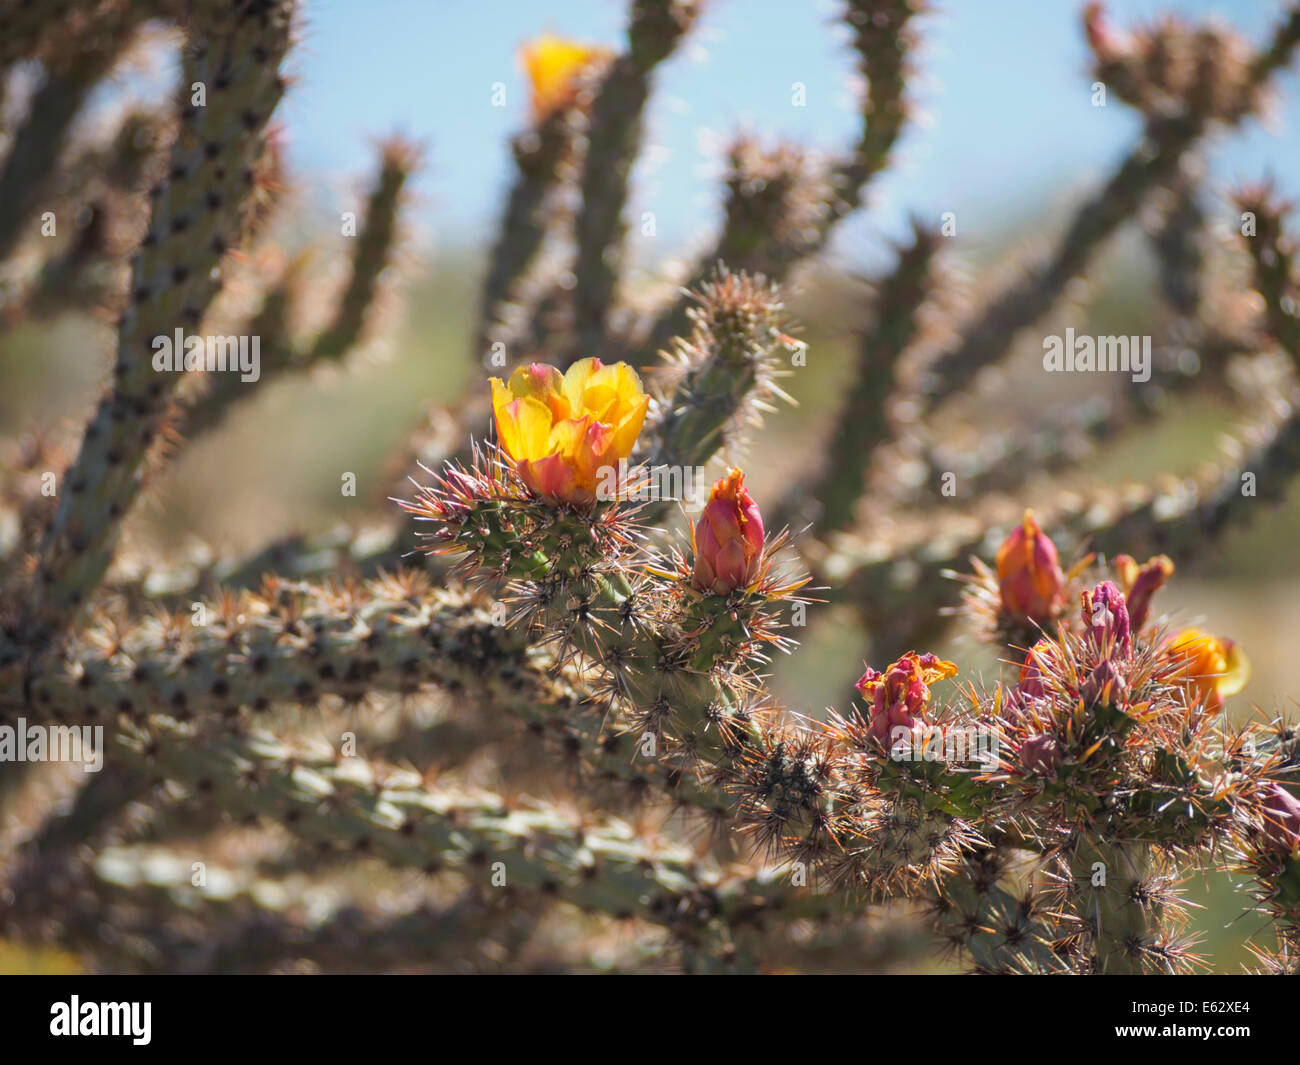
(1006, 119)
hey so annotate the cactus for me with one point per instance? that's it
(530, 698)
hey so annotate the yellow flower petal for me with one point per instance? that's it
(532, 421)
(627, 430)
(1237, 674)
(575, 383)
(554, 66)
(507, 431)
(535, 379)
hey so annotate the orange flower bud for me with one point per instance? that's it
(1029, 575)
(567, 433)
(1209, 667)
(728, 538)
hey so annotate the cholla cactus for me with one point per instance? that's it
(487, 727)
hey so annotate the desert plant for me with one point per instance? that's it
(557, 716)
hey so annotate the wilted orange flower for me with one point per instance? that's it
(900, 695)
(568, 432)
(728, 538)
(1209, 667)
(554, 67)
(1029, 576)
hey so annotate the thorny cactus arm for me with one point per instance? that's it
(721, 379)
(636, 670)
(545, 155)
(655, 29)
(239, 922)
(606, 868)
(1228, 90)
(903, 576)
(778, 211)
(353, 318)
(25, 172)
(1273, 255)
(234, 55)
(863, 423)
(300, 643)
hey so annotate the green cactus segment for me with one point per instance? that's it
(375, 244)
(540, 155)
(609, 868)
(1273, 255)
(723, 376)
(235, 54)
(1153, 162)
(303, 643)
(612, 143)
(27, 169)
(240, 922)
(666, 678)
(1120, 925)
(864, 421)
(220, 393)
(994, 929)
(884, 37)
(357, 307)
(310, 642)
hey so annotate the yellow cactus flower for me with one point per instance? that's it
(568, 432)
(1209, 667)
(554, 67)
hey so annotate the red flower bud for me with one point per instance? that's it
(1029, 576)
(1106, 42)
(728, 538)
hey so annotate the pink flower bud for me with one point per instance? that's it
(1040, 755)
(1037, 659)
(1105, 616)
(1281, 817)
(728, 538)
(1106, 685)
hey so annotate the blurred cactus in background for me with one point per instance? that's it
(522, 715)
